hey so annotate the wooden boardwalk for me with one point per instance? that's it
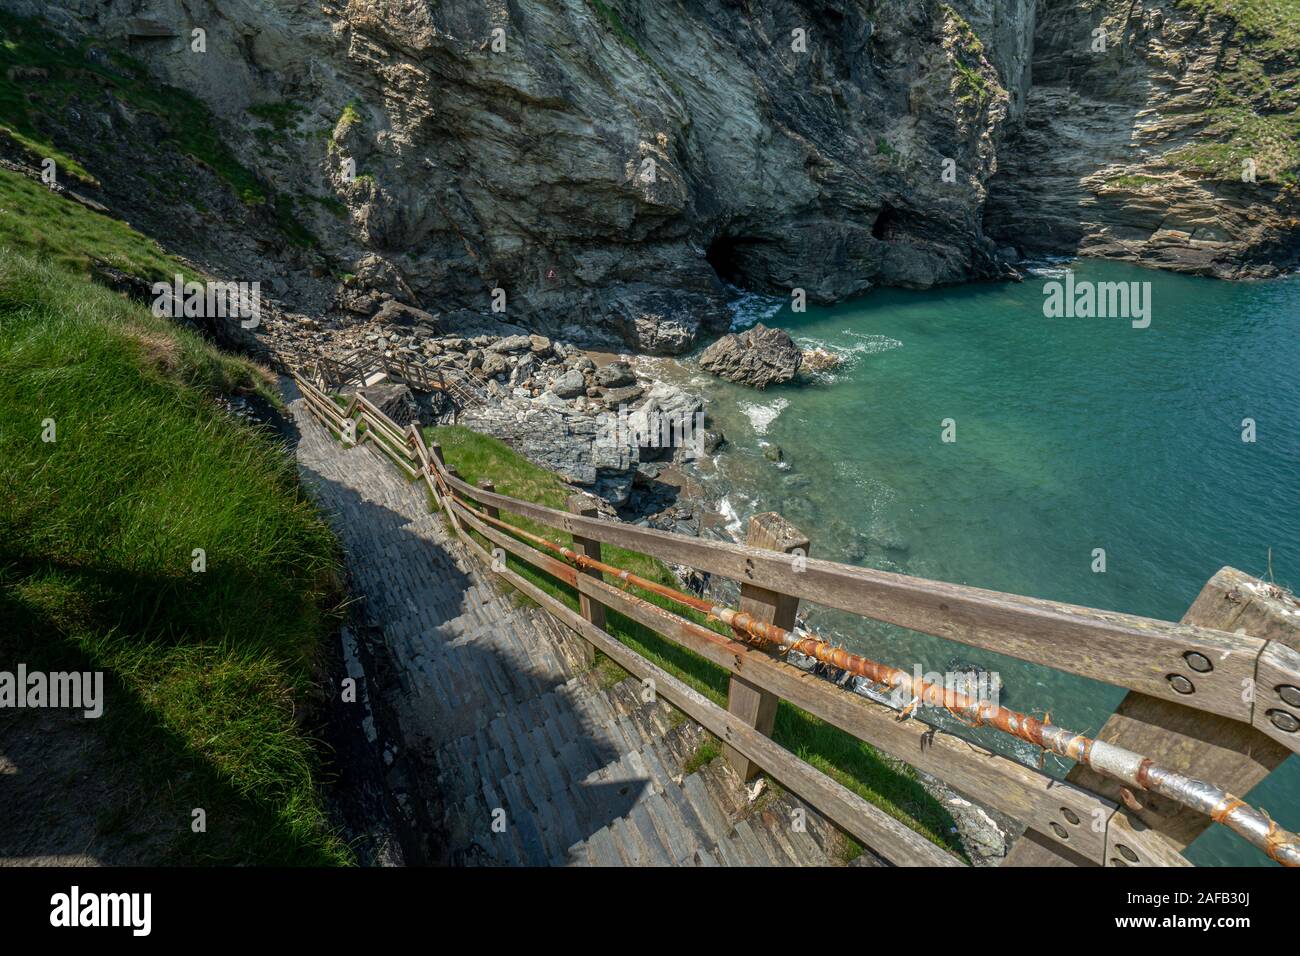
(510, 726)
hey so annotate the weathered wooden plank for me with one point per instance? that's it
(1035, 849)
(1129, 842)
(1123, 649)
(1277, 693)
(882, 833)
(1228, 753)
(386, 447)
(1021, 792)
(391, 430)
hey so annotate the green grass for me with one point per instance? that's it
(36, 220)
(349, 118)
(705, 753)
(1255, 112)
(888, 784)
(966, 53)
(335, 207)
(1275, 24)
(1132, 181)
(206, 672)
(280, 116)
(620, 30)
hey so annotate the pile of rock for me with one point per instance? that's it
(589, 433)
(591, 424)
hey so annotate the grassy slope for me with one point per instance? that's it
(206, 671)
(96, 551)
(884, 782)
(34, 219)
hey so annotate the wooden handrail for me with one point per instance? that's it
(1024, 793)
(1121, 649)
(1126, 650)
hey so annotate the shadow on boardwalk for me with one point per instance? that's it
(511, 752)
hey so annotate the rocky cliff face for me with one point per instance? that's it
(606, 164)
(1158, 132)
(598, 169)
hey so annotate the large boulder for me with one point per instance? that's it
(615, 375)
(393, 312)
(512, 343)
(758, 357)
(494, 364)
(569, 385)
(671, 413)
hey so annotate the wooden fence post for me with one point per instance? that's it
(592, 610)
(1228, 752)
(435, 453)
(757, 707)
(490, 510)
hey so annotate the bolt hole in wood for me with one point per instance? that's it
(1284, 720)
(1181, 684)
(1289, 694)
(1198, 662)
(1126, 852)
(1060, 831)
(1071, 817)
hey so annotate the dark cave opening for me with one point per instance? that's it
(886, 220)
(726, 255)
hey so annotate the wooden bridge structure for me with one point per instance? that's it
(364, 367)
(1215, 696)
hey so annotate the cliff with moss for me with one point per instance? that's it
(1175, 142)
(601, 169)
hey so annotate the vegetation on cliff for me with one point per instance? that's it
(1255, 112)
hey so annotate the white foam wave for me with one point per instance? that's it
(762, 416)
(729, 515)
(750, 308)
(1048, 267)
(848, 355)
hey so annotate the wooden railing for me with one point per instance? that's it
(1216, 695)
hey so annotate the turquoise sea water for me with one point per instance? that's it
(1072, 434)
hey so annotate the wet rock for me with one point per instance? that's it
(821, 360)
(758, 357)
